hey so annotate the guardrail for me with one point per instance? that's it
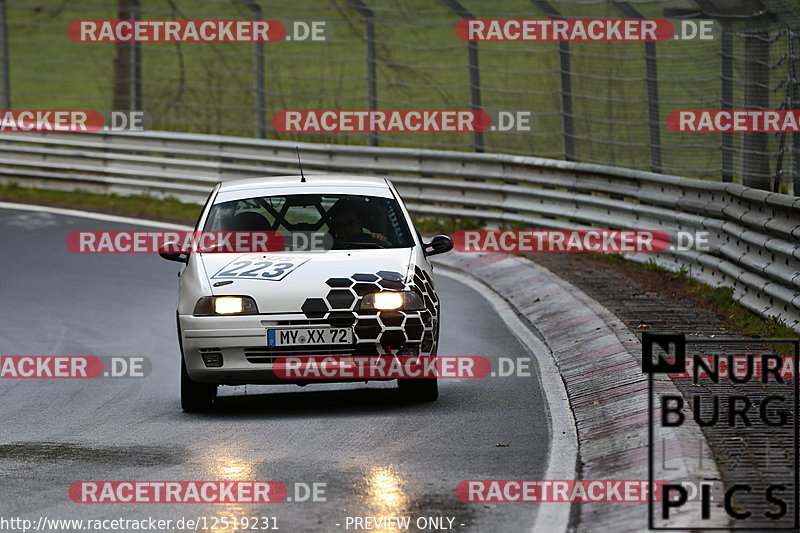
(754, 234)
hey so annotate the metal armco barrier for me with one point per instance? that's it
(753, 234)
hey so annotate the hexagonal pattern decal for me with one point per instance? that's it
(314, 308)
(390, 275)
(385, 328)
(339, 282)
(341, 319)
(364, 288)
(393, 338)
(341, 299)
(413, 327)
(391, 319)
(368, 329)
(389, 284)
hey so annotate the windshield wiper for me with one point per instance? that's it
(354, 245)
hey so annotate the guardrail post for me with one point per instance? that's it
(474, 71)
(128, 64)
(755, 157)
(369, 53)
(259, 105)
(4, 67)
(566, 102)
(794, 78)
(137, 61)
(651, 78)
(794, 65)
(566, 84)
(726, 100)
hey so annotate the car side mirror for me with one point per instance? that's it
(439, 244)
(167, 251)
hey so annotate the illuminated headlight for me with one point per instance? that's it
(228, 305)
(225, 305)
(392, 301)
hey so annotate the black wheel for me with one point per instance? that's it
(195, 397)
(419, 390)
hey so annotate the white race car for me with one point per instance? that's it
(369, 293)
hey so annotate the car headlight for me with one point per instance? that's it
(225, 305)
(392, 301)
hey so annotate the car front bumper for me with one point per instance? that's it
(239, 343)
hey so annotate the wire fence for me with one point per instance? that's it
(598, 102)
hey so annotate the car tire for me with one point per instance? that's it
(419, 390)
(195, 397)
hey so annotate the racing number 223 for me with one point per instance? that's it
(257, 269)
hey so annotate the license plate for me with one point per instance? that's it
(309, 336)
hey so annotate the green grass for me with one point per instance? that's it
(446, 225)
(736, 316)
(169, 210)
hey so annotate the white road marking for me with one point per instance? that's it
(562, 458)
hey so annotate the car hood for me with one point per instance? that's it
(283, 282)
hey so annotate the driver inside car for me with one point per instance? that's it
(346, 224)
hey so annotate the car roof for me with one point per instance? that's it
(311, 181)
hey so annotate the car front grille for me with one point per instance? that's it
(299, 322)
(267, 355)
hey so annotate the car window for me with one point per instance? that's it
(354, 221)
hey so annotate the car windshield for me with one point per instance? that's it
(353, 221)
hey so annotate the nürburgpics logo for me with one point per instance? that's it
(756, 407)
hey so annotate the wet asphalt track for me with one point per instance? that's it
(377, 455)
